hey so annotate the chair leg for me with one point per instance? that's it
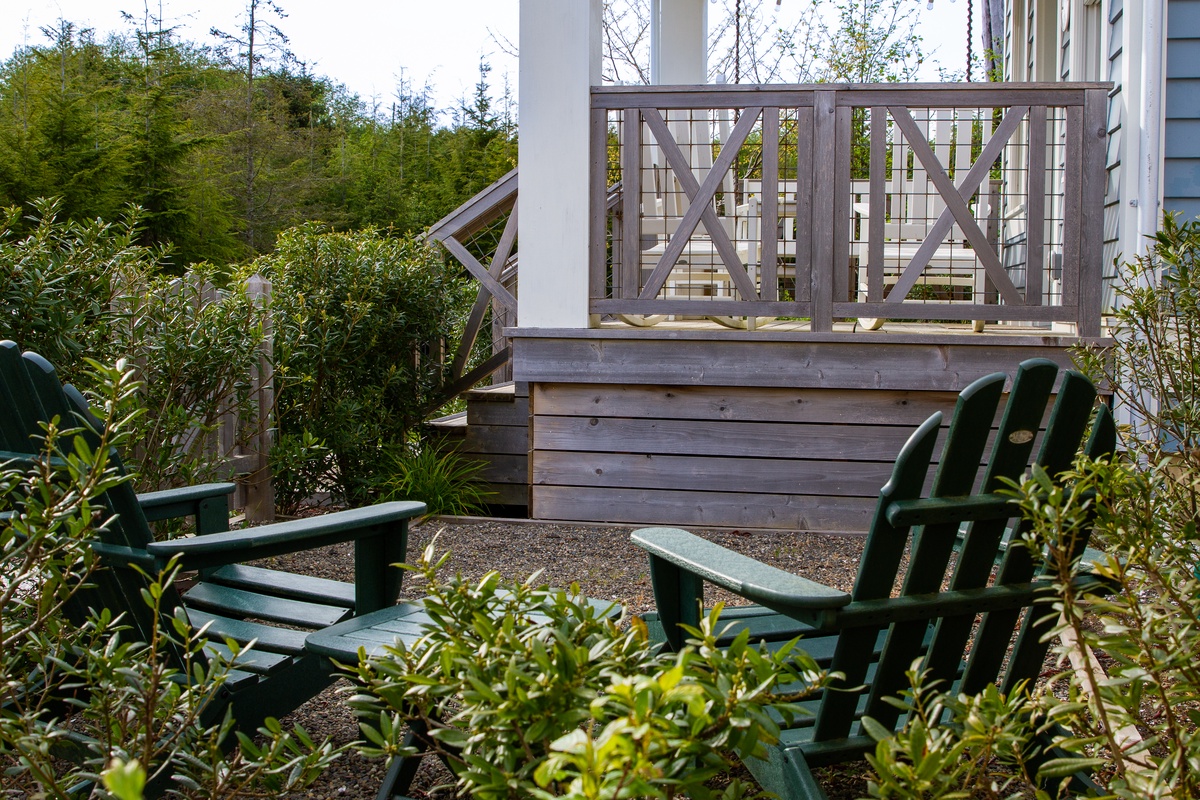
(400, 774)
(678, 595)
(785, 773)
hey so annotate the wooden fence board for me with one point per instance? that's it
(504, 468)
(508, 494)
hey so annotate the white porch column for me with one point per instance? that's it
(560, 61)
(678, 42)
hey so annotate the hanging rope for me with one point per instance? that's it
(970, 35)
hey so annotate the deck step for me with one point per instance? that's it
(451, 423)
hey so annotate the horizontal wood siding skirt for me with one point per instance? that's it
(703, 509)
(708, 438)
(500, 439)
(841, 362)
(515, 412)
(764, 429)
(869, 407)
(505, 468)
(740, 475)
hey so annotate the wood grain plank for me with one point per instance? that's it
(1091, 292)
(1072, 207)
(514, 413)
(804, 207)
(842, 218)
(508, 494)
(876, 200)
(719, 438)
(824, 227)
(749, 405)
(706, 509)
(711, 474)
(498, 469)
(631, 210)
(598, 199)
(496, 439)
(1035, 208)
(768, 232)
(800, 364)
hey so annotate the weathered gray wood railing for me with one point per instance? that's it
(909, 202)
(494, 207)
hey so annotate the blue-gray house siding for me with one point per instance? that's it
(1181, 153)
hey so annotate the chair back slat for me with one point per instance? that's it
(876, 575)
(1032, 388)
(130, 529)
(36, 396)
(933, 545)
(1031, 391)
(945, 639)
(26, 408)
(13, 425)
(1068, 422)
(1031, 644)
(994, 639)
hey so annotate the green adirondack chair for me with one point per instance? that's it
(275, 610)
(873, 637)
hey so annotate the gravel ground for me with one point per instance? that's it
(604, 563)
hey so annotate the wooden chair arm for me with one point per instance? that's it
(218, 549)
(379, 533)
(207, 504)
(739, 574)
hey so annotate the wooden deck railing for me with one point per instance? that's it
(908, 202)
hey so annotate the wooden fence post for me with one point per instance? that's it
(260, 492)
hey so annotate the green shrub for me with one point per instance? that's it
(528, 692)
(71, 290)
(1148, 624)
(360, 323)
(299, 464)
(82, 704)
(196, 354)
(446, 482)
(59, 283)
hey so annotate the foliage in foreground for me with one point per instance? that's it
(1149, 625)
(83, 705)
(530, 692)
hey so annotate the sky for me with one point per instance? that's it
(369, 44)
